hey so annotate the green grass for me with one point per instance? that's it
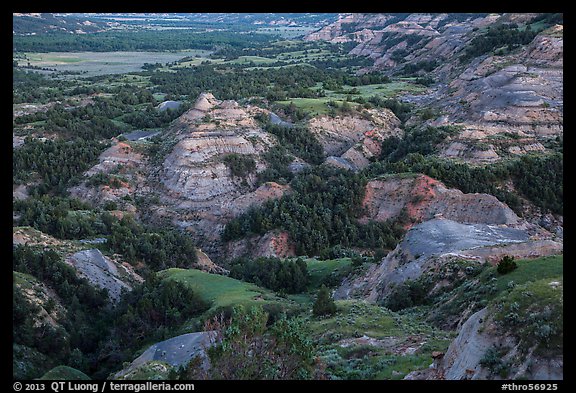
(479, 291)
(532, 270)
(65, 60)
(355, 318)
(396, 367)
(303, 299)
(101, 63)
(533, 313)
(197, 61)
(252, 59)
(152, 370)
(319, 270)
(222, 291)
(385, 90)
(299, 55)
(136, 80)
(24, 280)
(318, 106)
(314, 106)
(65, 373)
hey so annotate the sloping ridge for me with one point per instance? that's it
(176, 351)
(99, 271)
(410, 258)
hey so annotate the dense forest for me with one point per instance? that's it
(93, 337)
(276, 84)
(68, 218)
(142, 40)
(319, 214)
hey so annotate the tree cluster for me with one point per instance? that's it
(152, 310)
(65, 218)
(84, 326)
(419, 139)
(504, 35)
(240, 165)
(272, 273)
(139, 40)
(319, 213)
(57, 163)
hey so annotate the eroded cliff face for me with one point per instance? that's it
(272, 244)
(351, 141)
(444, 222)
(420, 250)
(466, 355)
(507, 105)
(520, 93)
(124, 164)
(198, 191)
(424, 198)
(422, 36)
(104, 273)
(364, 28)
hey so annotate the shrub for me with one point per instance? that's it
(492, 360)
(506, 265)
(240, 165)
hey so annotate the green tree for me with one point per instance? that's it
(324, 304)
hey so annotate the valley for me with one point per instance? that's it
(288, 196)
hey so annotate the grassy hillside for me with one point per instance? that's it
(366, 341)
(65, 373)
(221, 291)
(532, 270)
(533, 313)
(322, 272)
(477, 291)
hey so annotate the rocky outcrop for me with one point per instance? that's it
(197, 189)
(216, 114)
(40, 295)
(194, 170)
(477, 336)
(417, 252)
(525, 250)
(204, 263)
(165, 105)
(102, 272)
(272, 244)
(335, 32)
(491, 97)
(424, 198)
(351, 142)
(120, 161)
(175, 352)
(206, 220)
(30, 236)
(338, 135)
(509, 104)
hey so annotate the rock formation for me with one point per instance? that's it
(417, 252)
(424, 198)
(102, 272)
